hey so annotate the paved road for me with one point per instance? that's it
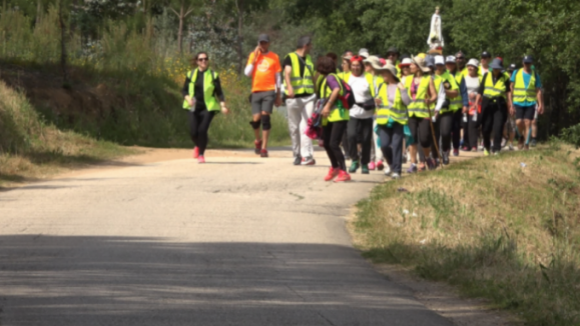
(237, 241)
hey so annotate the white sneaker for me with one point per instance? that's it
(387, 170)
(308, 161)
(395, 176)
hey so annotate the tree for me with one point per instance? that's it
(182, 9)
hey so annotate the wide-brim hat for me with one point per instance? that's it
(390, 67)
(374, 61)
(496, 64)
(421, 63)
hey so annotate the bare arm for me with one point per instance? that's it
(540, 101)
(440, 98)
(432, 94)
(287, 73)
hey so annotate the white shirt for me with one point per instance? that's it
(362, 93)
(472, 85)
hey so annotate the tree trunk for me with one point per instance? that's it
(240, 50)
(38, 11)
(63, 54)
(180, 31)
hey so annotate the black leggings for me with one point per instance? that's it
(443, 129)
(456, 128)
(471, 133)
(332, 134)
(493, 119)
(421, 131)
(199, 122)
(360, 128)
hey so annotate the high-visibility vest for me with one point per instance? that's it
(497, 90)
(521, 93)
(447, 77)
(337, 113)
(209, 97)
(372, 80)
(301, 84)
(417, 107)
(456, 103)
(437, 80)
(396, 111)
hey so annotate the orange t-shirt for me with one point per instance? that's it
(265, 70)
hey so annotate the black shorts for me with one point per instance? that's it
(525, 112)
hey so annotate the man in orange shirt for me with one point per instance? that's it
(265, 69)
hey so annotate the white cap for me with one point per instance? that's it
(406, 61)
(450, 59)
(363, 53)
(439, 60)
(473, 62)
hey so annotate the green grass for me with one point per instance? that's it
(489, 226)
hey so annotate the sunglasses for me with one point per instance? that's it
(460, 58)
(203, 59)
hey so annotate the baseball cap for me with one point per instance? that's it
(485, 54)
(450, 59)
(406, 62)
(429, 61)
(473, 62)
(512, 66)
(439, 60)
(363, 53)
(528, 59)
(264, 38)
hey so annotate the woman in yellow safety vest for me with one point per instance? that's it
(392, 116)
(495, 94)
(203, 98)
(335, 117)
(421, 90)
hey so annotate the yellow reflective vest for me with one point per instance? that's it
(498, 89)
(447, 78)
(521, 93)
(338, 112)
(301, 84)
(211, 101)
(417, 107)
(396, 110)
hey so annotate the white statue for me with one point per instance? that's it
(435, 38)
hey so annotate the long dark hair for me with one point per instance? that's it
(193, 60)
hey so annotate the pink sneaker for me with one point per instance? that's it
(200, 159)
(380, 165)
(195, 152)
(332, 173)
(372, 166)
(342, 177)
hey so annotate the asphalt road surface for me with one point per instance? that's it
(237, 241)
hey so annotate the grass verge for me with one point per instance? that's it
(495, 227)
(31, 148)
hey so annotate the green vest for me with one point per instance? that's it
(372, 80)
(447, 77)
(417, 107)
(211, 101)
(497, 90)
(396, 111)
(456, 103)
(301, 84)
(338, 112)
(521, 93)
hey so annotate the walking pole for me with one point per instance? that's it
(433, 132)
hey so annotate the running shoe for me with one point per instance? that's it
(485, 152)
(342, 176)
(465, 149)
(364, 169)
(372, 166)
(495, 153)
(387, 170)
(380, 165)
(332, 173)
(445, 158)
(395, 176)
(200, 159)
(455, 152)
(258, 146)
(533, 143)
(474, 149)
(412, 168)
(195, 152)
(264, 153)
(353, 167)
(422, 167)
(297, 160)
(308, 161)
(431, 163)
(510, 147)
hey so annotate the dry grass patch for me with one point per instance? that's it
(32, 149)
(506, 228)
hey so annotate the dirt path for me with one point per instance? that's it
(162, 240)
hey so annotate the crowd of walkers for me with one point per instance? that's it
(379, 113)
